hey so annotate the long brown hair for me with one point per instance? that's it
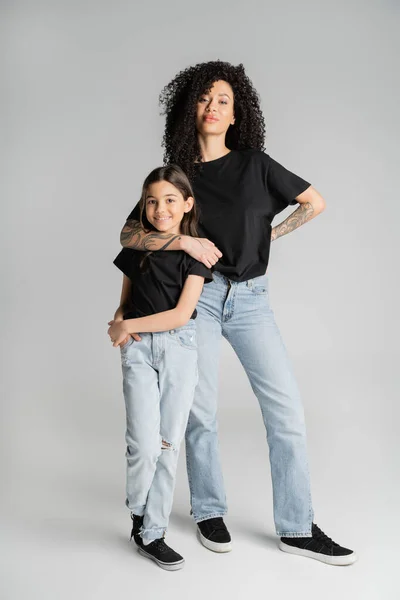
(176, 177)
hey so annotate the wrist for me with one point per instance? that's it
(183, 242)
(128, 326)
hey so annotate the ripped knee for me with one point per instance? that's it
(167, 445)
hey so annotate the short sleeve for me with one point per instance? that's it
(283, 185)
(134, 214)
(197, 268)
(124, 261)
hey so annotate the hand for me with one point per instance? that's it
(273, 234)
(118, 333)
(125, 341)
(201, 249)
(135, 336)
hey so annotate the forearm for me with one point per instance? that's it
(311, 204)
(304, 213)
(164, 321)
(133, 236)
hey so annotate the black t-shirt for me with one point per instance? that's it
(238, 196)
(158, 282)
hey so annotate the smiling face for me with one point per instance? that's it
(214, 112)
(165, 206)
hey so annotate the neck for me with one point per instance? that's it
(212, 147)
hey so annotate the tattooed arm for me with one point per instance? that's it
(133, 236)
(311, 205)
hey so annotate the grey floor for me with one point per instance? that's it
(65, 529)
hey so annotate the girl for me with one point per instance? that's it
(215, 132)
(159, 295)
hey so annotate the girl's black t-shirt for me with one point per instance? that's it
(157, 279)
(238, 196)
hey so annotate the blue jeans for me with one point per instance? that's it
(241, 313)
(159, 379)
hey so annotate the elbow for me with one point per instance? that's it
(320, 206)
(314, 199)
(317, 201)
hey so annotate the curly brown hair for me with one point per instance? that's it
(179, 98)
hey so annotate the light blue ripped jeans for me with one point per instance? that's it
(241, 313)
(159, 378)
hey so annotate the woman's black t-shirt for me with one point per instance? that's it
(157, 279)
(238, 196)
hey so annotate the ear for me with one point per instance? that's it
(188, 204)
(233, 121)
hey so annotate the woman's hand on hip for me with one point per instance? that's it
(201, 249)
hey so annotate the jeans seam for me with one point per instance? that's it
(189, 474)
(294, 534)
(210, 516)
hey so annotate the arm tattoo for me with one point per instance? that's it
(300, 216)
(133, 236)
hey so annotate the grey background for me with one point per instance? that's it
(80, 130)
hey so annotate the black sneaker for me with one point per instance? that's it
(137, 523)
(214, 535)
(320, 547)
(163, 555)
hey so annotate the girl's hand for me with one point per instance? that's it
(201, 249)
(119, 334)
(125, 341)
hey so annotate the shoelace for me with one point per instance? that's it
(319, 535)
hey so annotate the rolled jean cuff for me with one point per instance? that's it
(211, 516)
(294, 534)
(149, 535)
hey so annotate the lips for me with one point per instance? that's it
(211, 119)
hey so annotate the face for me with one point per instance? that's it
(165, 206)
(215, 110)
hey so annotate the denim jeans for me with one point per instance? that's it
(241, 313)
(159, 378)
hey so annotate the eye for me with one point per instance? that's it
(224, 102)
(151, 201)
(203, 99)
(170, 199)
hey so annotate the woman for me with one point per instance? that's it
(215, 132)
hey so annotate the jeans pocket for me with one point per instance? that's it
(128, 343)
(258, 285)
(185, 338)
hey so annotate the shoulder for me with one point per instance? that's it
(127, 255)
(253, 156)
(127, 261)
(195, 267)
(252, 163)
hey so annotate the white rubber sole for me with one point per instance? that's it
(340, 561)
(214, 546)
(166, 566)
